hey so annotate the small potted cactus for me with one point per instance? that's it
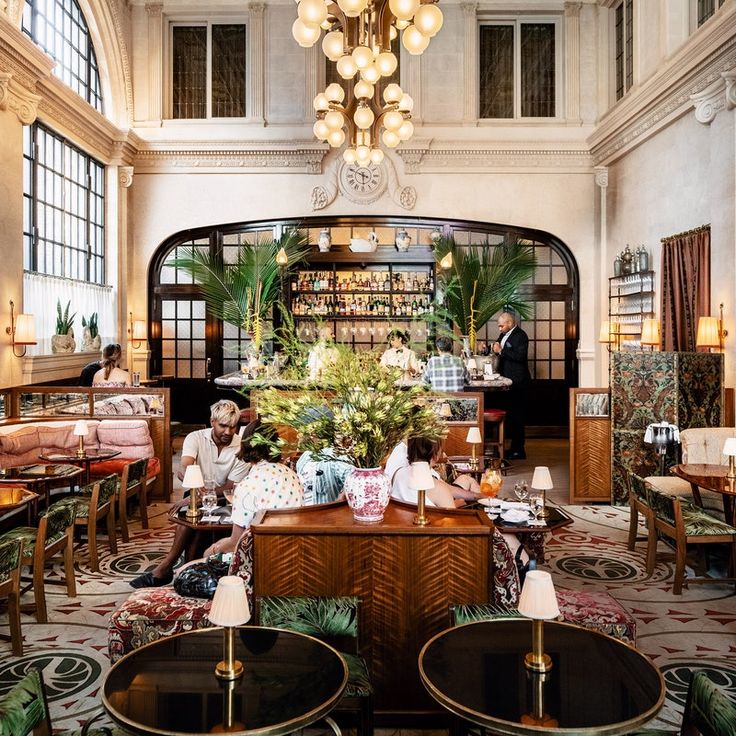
(91, 340)
(63, 341)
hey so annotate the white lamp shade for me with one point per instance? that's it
(193, 477)
(538, 599)
(471, 364)
(25, 330)
(650, 332)
(609, 332)
(729, 447)
(542, 480)
(420, 476)
(707, 333)
(474, 437)
(80, 428)
(230, 603)
(139, 329)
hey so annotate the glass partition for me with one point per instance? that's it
(128, 404)
(52, 404)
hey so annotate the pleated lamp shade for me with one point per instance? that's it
(538, 599)
(230, 603)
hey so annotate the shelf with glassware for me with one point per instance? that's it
(630, 301)
(363, 304)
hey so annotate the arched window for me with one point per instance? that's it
(59, 28)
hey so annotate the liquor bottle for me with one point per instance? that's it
(315, 282)
(387, 283)
(414, 307)
(323, 284)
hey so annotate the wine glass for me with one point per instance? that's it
(537, 505)
(209, 497)
(521, 489)
(491, 482)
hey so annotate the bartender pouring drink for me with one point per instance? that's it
(398, 355)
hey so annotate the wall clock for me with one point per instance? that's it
(363, 184)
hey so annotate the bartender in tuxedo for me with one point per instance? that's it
(512, 347)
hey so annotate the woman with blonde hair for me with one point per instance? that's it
(111, 374)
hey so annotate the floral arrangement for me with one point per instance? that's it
(361, 414)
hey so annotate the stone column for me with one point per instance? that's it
(601, 180)
(572, 61)
(314, 80)
(470, 64)
(254, 108)
(155, 61)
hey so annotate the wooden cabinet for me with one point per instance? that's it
(590, 445)
(406, 577)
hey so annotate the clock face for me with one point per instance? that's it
(363, 183)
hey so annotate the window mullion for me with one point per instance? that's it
(209, 72)
(517, 70)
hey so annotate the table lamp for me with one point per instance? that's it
(539, 603)
(81, 430)
(421, 480)
(229, 609)
(542, 481)
(445, 410)
(192, 480)
(729, 449)
(474, 439)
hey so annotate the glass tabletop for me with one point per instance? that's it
(39, 470)
(597, 685)
(169, 686)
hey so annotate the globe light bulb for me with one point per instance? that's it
(363, 90)
(428, 19)
(336, 138)
(393, 33)
(349, 156)
(321, 130)
(362, 56)
(390, 139)
(305, 35)
(406, 103)
(376, 156)
(393, 120)
(364, 117)
(333, 45)
(346, 67)
(326, 24)
(334, 93)
(406, 130)
(363, 153)
(312, 12)
(401, 24)
(386, 63)
(370, 74)
(414, 40)
(352, 8)
(403, 9)
(334, 120)
(321, 102)
(392, 94)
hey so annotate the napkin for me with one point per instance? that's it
(515, 516)
(514, 505)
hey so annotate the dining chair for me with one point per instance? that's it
(95, 502)
(638, 503)
(10, 557)
(334, 620)
(24, 709)
(54, 534)
(708, 711)
(685, 523)
(133, 483)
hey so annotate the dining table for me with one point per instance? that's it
(711, 477)
(597, 686)
(84, 461)
(41, 477)
(289, 681)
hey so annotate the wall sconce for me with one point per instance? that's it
(711, 332)
(650, 333)
(610, 335)
(137, 331)
(22, 330)
(282, 259)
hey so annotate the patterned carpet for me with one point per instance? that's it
(695, 630)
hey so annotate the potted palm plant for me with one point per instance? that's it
(482, 281)
(243, 293)
(360, 416)
(63, 341)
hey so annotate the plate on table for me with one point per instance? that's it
(515, 516)
(491, 503)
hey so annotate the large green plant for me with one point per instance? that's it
(482, 281)
(243, 293)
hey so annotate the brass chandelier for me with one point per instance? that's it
(358, 35)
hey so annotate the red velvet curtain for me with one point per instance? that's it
(685, 287)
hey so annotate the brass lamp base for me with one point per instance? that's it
(421, 519)
(537, 660)
(193, 512)
(731, 475)
(544, 513)
(229, 671)
(81, 452)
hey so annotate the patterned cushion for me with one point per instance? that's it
(150, 613)
(116, 465)
(9, 557)
(506, 586)
(27, 534)
(23, 707)
(359, 681)
(699, 522)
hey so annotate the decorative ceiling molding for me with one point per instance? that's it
(427, 156)
(21, 57)
(721, 95)
(305, 156)
(17, 99)
(667, 95)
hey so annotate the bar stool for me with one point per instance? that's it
(493, 420)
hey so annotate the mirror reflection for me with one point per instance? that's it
(49, 404)
(128, 404)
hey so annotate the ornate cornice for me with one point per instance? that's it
(601, 176)
(425, 155)
(17, 99)
(125, 176)
(252, 156)
(21, 57)
(668, 94)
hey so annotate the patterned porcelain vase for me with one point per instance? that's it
(368, 491)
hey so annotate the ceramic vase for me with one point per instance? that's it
(403, 240)
(325, 241)
(368, 492)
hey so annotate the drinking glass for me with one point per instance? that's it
(521, 489)
(209, 497)
(537, 506)
(491, 482)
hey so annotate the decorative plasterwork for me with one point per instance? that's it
(251, 156)
(424, 155)
(721, 95)
(21, 57)
(601, 176)
(667, 95)
(125, 176)
(17, 99)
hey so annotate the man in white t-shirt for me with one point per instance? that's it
(216, 451)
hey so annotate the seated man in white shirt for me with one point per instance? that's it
(216, 451)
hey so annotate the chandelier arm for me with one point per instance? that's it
(384, 20)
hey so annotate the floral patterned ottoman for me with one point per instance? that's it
(151, 613)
